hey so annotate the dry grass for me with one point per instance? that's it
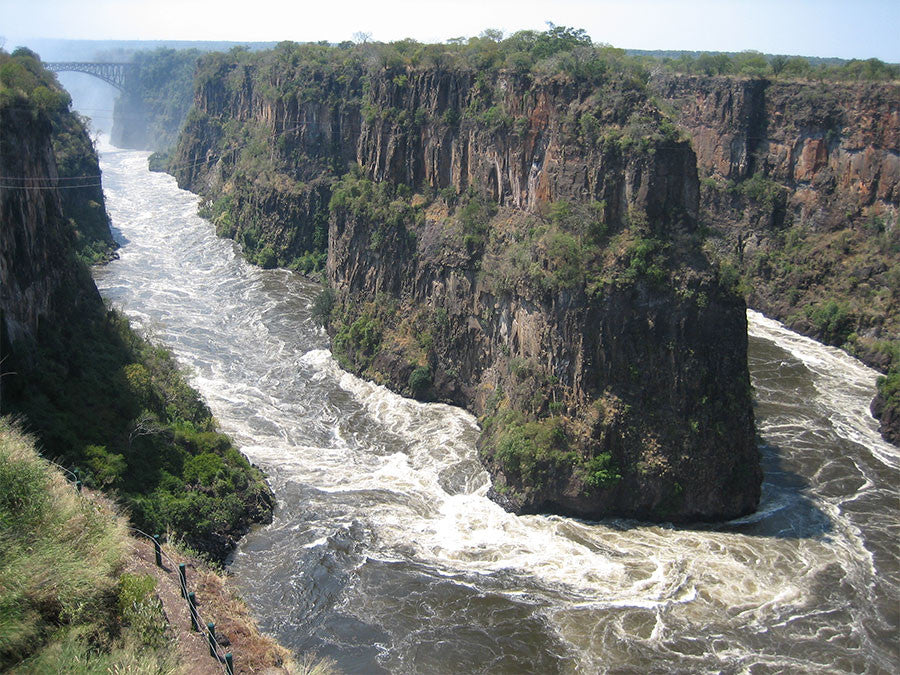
(61, 555)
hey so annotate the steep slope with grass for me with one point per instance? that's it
(511, 226)
(79, 594)
(62, 599)
(98, 396)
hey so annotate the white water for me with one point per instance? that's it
(386, 555)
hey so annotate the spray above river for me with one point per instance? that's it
(386, 555)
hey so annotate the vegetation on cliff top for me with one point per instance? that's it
(755, 64)
(26, 84)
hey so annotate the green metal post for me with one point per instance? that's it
(78, 485)
(182, 575)
(192, 608)
(157, 550)
(229, 664)
(211, 636)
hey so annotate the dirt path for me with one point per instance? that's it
(191, 646)
(236, 629)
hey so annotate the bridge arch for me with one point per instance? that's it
(117, 74)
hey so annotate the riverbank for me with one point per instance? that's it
(94, 595)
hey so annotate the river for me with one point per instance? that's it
(386, 556)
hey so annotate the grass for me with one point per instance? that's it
(66, 603)
(59, 587)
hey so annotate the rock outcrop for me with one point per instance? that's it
(41, 281)
(802, 182)
(527, 249)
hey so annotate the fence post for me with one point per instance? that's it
(78, 485)
(182, 575)
(157, 550)
(211, 636)
(229, 664)
(192, 608)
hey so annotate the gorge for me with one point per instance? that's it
(525, 248)
(384, 552)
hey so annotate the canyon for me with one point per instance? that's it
(525, 249)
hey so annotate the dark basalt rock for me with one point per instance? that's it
(649, 373)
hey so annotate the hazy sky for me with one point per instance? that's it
(843, 28)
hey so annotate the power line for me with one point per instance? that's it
(175, 167)
(50, 187)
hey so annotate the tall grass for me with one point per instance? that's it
(60, 558)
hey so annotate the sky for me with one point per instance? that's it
(841, 28)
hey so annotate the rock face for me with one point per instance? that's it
(555, 287)
(802, 180)
(834, 147)
(40, 280)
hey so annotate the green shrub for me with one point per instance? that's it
(527, 449)
(323, 305)
(203, 469)
(419, 380)
(833, 320)
(266, 258)
(600, 472)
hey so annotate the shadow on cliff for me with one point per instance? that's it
(118, 235)
(785, 511)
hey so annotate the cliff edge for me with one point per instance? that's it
(523, 244)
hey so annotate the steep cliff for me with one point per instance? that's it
(801, 182)
(523, 245)
(41, 281)
(98, 396)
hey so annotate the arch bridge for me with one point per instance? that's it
(118, 75)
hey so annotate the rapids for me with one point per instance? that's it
(386, 555)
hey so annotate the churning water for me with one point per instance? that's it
(386, 555)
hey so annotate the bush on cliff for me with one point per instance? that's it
(118, 408)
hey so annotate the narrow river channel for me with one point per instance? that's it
(386, 555)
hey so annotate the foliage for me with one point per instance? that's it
(323, 305)
(379, 203)
(533, 450)
(600, 472)
(832, 320)
(646, 259)
(474, 217)
(419, 380)
(527, 449)
(357, 344)
(761, 189)
(755, 64)
(118, 407)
